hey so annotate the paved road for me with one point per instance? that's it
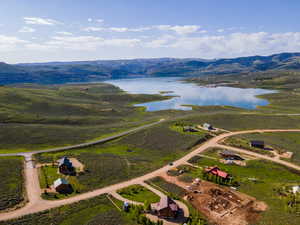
(36, 204)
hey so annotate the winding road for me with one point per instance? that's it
(36, 203)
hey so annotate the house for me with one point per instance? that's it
(165, 208)
(257, 144)
(217, 172)
(61, 185)
(207, 126)
(228, 155)
(189, 129)
(126, 206)
(65, 166)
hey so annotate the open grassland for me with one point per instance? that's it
(244, 121)
(139, 193)
(128, 157)
(287, 141)
(260, 179)
(239, 142)
(95, 211)
(35, 117)
(11, 182)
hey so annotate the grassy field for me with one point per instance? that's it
(35, 117)
(95, 211)
(240, 142)
(244, 121)
(169, 188)
(11, 182)
(265, 179)
(127, 157)
(139, 193)
(284, 141)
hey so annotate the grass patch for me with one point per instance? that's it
(11, 182)
(139, 193)
(239, 142)
(282, 141)
(127, 157)
(95, 211)
(171, 189)
(59, 115)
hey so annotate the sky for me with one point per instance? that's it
(69, 30)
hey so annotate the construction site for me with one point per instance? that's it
(221, 205)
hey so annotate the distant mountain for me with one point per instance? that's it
(82, 71)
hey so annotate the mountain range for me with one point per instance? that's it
(84, 71)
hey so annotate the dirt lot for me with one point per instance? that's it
(221, 205)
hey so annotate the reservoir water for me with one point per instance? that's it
(187, 94)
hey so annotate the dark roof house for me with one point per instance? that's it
(65, 166)
(61, 185)
(165, 208)
(257, 144)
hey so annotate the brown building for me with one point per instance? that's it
(165, 208)
(62, 186)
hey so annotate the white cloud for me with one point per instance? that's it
(27, 30)
(64, 33)
(9, 43)
(116, 29)
(220, 30)
(40, 21)
(90, 20)
(99, 20)
(119, 29)
(232, 45)
(182, 30)
(86, 43)
(92, 29)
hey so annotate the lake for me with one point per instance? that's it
(190, 94)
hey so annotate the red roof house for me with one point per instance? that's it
(217, 172)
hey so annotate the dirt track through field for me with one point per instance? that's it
(37, 204)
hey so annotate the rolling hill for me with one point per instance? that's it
(83, 71)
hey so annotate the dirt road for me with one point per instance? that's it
(36, 204)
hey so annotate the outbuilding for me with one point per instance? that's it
(257, 144)
(207, 126)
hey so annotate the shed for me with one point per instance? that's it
(257, 144)
(61, 185)
(189, 129)
(207, 126)
(165, 208)
(126, 206)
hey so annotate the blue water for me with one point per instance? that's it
(190, 94)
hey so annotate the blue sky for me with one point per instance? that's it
(64, 30)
